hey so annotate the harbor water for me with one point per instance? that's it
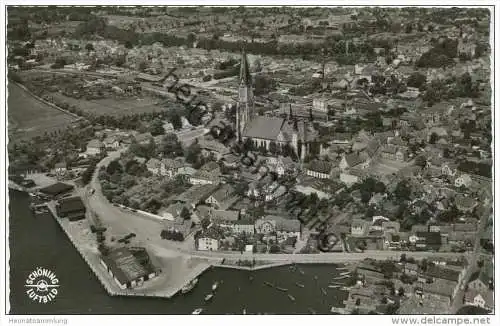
(40, 242)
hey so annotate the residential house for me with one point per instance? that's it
(319, 169)
(60, 168)
(480, 299)
(436, 114)
(350, 161)
(153, 166)
(426, 240)
(209, 173)
(319, 104)
(359, 227)
(436, 272)
(284, 165)
(449, 169)
(95, 147)
(482, 281)
(196, 194)
(207, 243)
(463, 180)
(170, 167)
(112, 142)
(441, 287)
(212, 147)
(283, 227)
(394, 153)
(390, 226)
(223, 198)
(243, 226)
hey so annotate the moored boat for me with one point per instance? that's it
(197, 311)
(281, 289)
(301, 271)
(331, 286)
(300, 285)
(291, 297)
(209, 297)
(269, 284)
(189, 286)
(215, 286)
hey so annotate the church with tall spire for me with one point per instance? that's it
(246, 107)
(265, 130)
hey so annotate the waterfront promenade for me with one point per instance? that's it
(121, 221)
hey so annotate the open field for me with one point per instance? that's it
(114, 106)
(30, 117)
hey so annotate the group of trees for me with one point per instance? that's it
(450, 88)
(368, 187)
(172, 235)
(439, 56)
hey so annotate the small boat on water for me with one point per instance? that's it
(337, 283)
(345, 273)
(291, 297)
(341, 277)
(269, 284)
(301, 271)
(311, 311)
(331, 286)
(209, 297)
(300, 285)
(324, 291)
(188, 287)
(316, 277)
(239, 289)
(244, 311)
(215, 286)
(197, 311)
(281, 289)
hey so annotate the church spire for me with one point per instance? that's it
(245, 77)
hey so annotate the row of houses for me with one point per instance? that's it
(278, 228)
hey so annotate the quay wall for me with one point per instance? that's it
(233, 265)
(86, 257)
(93, 261)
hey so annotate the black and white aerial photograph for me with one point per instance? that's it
(316, 159)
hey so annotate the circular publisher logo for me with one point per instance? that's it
(41, 285)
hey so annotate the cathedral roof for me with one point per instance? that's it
(262, 127)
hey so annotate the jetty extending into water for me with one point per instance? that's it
(168, 283)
